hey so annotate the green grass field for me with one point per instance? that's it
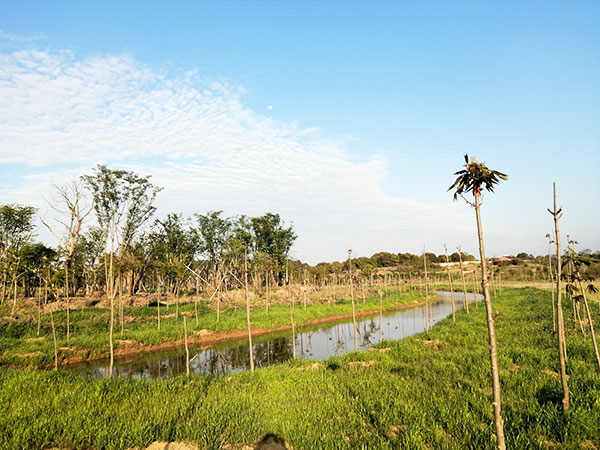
(430, 391)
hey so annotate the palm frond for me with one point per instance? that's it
(474, 177)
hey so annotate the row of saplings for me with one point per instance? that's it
(473, 179)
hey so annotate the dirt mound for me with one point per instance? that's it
(159, 445)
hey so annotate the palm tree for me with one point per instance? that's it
(472, 179)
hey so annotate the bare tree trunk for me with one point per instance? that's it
(110, 270)
(464, 285)
(426, 291)
(577, 316)
(475, 286)
(380, 316)
(14, 306)
(499, 281)
(121, 318)
(4, 281)
(112, 310)
(451, 285)
(110, 335)
(54, 339)
(187, 350)
(106, 275)
(589, 316)
(291, 301)
(267, 282)
(218, 308)
(352, 298)
(39, 307)
(248, 312)
(497, 405)
(176, 294)
(68, 305)
(196, 299)
(362, 291)
(562, 347)
(304, 289)
(552, 289)
(158, 305)
(334, 284)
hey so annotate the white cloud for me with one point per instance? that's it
(62, 114)
(16, 38)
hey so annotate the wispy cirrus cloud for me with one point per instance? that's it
(61, 113)
(17, 38)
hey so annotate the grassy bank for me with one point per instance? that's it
(20, 344)
(427, 391)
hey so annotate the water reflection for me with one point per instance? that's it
(312, 343)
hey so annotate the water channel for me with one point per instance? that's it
(317, 342)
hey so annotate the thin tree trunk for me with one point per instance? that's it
(218, 308)
(562, 347)
(106, 275)
(493, 283)
(305, 290)
(4, 280)
(248, 312)
(176, 294)
(110, 335)
(497, 405)
(68, 305)
(426, 290)
(121, 318)
(54, 339)
(575, 314)
(464, 285)
(451, 285)
(158, 306)
(187, 350)
(39, 307)
(577, 309)
(196, 300)
(352, 298)
(589, 316)
(474, 287)
(552, 289)
(268, 294)
(362, 291)
(334, 284)
(110, 270)
(46, 289)
(291, 302)
(14, 307)
(380, 316)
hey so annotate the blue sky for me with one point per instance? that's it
(348, 118)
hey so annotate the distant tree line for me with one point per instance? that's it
(127, 250)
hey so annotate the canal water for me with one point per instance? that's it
(317, 342)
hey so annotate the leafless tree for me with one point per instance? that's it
(451, 284)
(562, 346)
(352, 298)
(72, 210)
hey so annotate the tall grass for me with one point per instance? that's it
(429, 391)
